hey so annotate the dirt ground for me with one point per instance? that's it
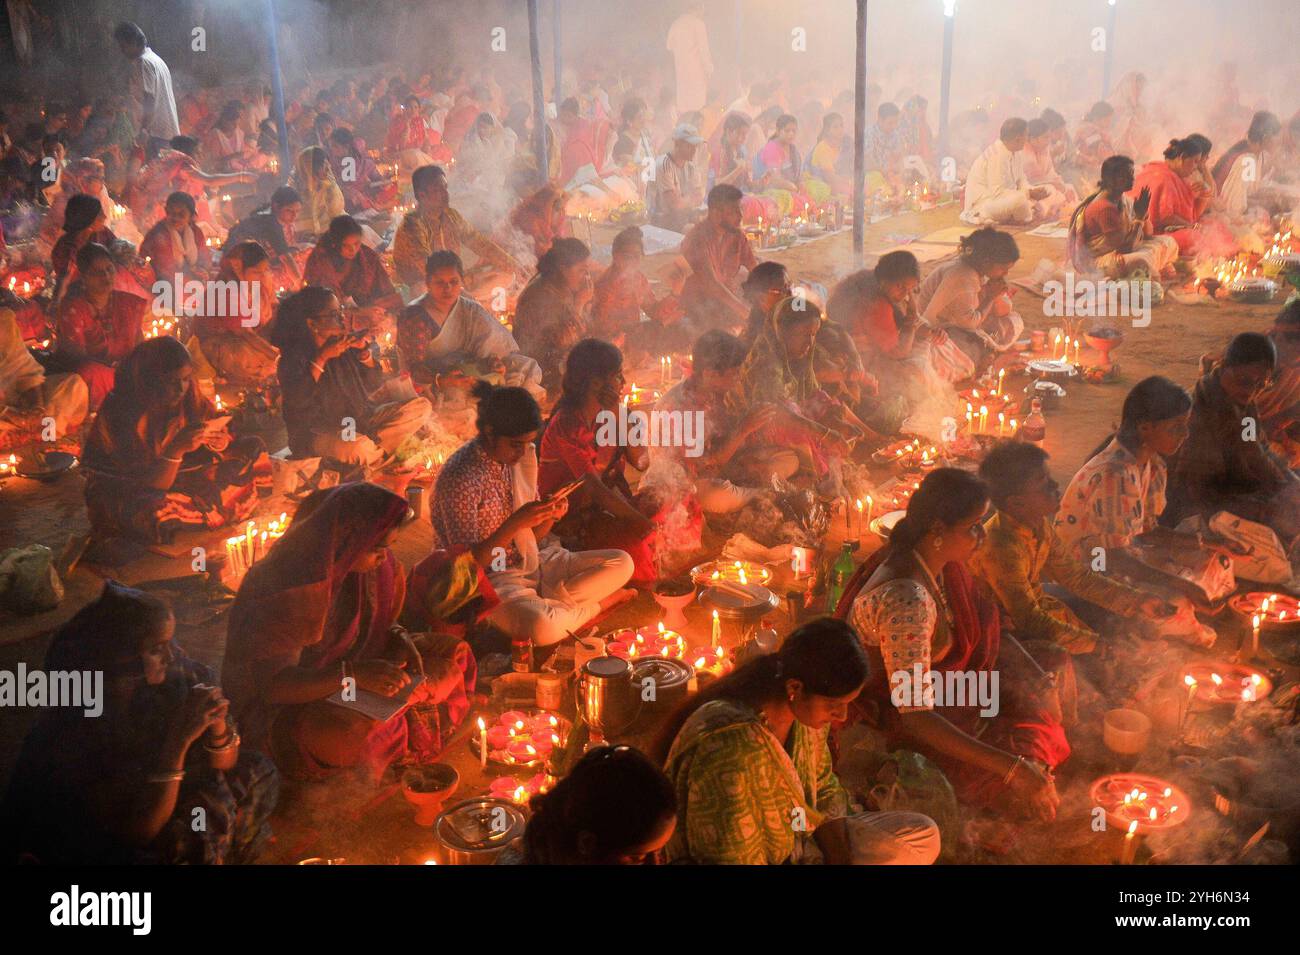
(370, 825)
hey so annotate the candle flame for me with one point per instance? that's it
(1132, 827)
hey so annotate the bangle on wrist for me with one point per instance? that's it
(171, 459)
(229, 743)
(170, 776)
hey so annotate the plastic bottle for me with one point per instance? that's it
(1034, 430)
(839, 577)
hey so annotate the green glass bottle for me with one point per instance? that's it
(839, 577)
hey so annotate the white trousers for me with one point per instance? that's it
(561, 596)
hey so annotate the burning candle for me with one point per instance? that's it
(717, 631)
(984, 419)
(482, 744)
(1013, 427)
(1056, 343)
(869, 504)
(858, 503)
(1002, 420)
(1129, 850)
(1254, 636)
(1002, 374)
(1076, 351)
(1190, 682)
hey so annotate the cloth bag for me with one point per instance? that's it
(29, 583)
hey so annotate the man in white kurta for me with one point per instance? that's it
(688, 41)
(997, 190)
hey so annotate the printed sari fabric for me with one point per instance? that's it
(899, 620)
(738, 789)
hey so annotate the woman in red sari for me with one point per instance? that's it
(603, 512)
(319, 609)
(586, 142)
(342, 263)
(1179, 200)
(919, 611)
(83, 222)
(96, 325)
(175, 245)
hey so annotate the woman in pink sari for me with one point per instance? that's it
(1179, 201)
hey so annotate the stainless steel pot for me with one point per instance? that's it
(607, 697)
(475, 831)
(672, 680)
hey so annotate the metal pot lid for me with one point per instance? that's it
(667, 674)
(607, 667)
(482, 824)
(761, 600)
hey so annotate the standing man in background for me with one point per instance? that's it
(150, 89)
(688, 41)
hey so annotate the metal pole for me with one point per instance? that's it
(1110, 50)
(860, 136)
(277, 93)
(539, 98)
(949, 20)
(559, 60)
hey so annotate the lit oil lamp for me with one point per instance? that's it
(656, 641)
(518, 738)
(732, 572)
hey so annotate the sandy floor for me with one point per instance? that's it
(50, 514)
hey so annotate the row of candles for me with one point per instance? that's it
(1061, 347)
(737, 572)
(863, 517)
(910, 454)
(246, 549)
(1283, 245)
(978, 423)
(159, 327)
(32, 282)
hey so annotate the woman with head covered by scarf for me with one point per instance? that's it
(319, 610)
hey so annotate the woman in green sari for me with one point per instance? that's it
(749, 761)
(779, 372)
